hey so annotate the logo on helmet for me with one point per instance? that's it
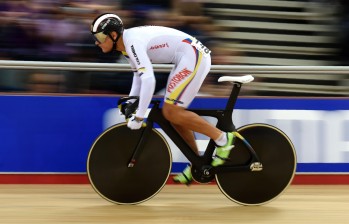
(105, 24)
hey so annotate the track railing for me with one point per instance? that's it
(299, 80)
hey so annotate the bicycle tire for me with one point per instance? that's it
(108, 171)
(278, 157)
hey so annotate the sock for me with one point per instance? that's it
(222, 139)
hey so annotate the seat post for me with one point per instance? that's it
(233, 96)
(226, 124)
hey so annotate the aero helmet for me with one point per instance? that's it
(104, 24)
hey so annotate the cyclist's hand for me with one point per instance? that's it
(126, 109)
(135, 123)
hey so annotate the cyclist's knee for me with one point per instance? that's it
(170, 112)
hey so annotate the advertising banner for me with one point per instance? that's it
(53, 134)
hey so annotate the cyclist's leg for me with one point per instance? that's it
(184, 83)
(188, 136)
(188, 120)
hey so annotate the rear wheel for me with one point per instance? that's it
(277, 155)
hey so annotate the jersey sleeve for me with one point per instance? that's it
(136, 82)
(144, 79)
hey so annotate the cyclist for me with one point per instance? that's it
(145, 45)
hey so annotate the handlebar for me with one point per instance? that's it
(126, 98)
(128, 108)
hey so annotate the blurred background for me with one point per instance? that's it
(239, 32)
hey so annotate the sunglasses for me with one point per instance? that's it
(99, 37)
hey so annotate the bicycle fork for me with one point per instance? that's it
(138, 150)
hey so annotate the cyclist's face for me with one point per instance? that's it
(99, 37)
(105, 43)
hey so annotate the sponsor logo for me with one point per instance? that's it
(159, 46)
(135, 55)
(180, 76)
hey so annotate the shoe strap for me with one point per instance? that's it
(224, 159)
(186, 177)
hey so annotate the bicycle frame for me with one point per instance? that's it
(224, 123)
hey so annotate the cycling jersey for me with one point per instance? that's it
(153, 44)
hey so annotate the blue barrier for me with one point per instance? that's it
(40, 134)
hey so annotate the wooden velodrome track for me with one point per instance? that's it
(78, 203)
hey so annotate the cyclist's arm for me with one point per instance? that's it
(146, 79)
(136, 85)
(136, 82)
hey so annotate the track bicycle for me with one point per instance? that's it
(131, 166)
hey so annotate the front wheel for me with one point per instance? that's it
(278, 157)
(108, 171)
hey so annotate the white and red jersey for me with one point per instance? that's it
(155, 44)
